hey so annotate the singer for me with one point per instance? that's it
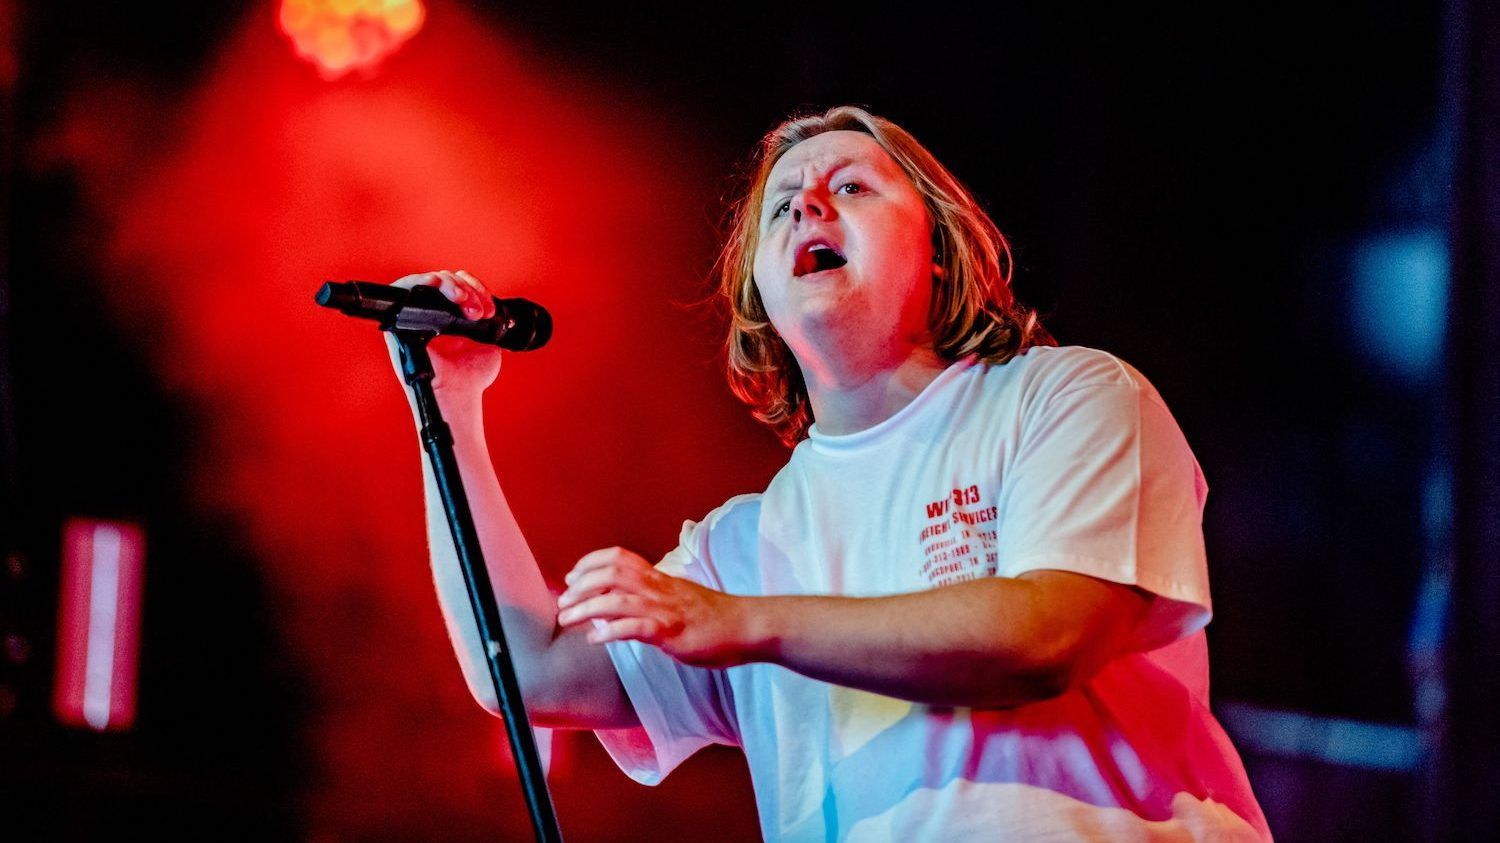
(970, 606)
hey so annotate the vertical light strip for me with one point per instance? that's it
(98, 623)
(104, 590)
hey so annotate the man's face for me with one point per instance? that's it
(845, 250)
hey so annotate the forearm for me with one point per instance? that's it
(988, 643)
(550, 665)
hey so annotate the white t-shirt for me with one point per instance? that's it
(1062, 459)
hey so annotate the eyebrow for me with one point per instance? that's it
(790, 183)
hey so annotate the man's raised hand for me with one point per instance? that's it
(460, 366)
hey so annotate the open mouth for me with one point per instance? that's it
(817, 257)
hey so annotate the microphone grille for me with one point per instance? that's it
(531, 325)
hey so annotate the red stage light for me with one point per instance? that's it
(343, 35)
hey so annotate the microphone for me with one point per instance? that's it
(518, 324)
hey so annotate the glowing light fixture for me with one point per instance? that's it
(99, 624)
(339, 36)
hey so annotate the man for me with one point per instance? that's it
(969, 607)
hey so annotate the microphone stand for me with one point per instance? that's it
(437, 441)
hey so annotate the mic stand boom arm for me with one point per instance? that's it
(437, 441)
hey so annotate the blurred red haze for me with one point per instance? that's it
(223, 210)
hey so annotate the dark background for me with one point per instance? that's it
(1251, 203)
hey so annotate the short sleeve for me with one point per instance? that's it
(1103, 483)
(681, 708)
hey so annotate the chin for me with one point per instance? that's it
(827, 323)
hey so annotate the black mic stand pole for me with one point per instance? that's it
(437, 440)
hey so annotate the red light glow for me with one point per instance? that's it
(473, 151)
(338, 36)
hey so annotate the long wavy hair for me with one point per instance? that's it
(973, 309)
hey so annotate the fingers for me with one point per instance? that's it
(639, 629)
(605, 584)
(603, 558)
(466, 291)
(610, 606)
(598, 581)
(481, 294)
(602, 571)
(467, 294)
(459, 287)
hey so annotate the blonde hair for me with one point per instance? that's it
(973, 309)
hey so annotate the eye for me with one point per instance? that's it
(851, 188)
(781, 209)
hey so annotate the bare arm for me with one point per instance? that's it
(565, 681)
(988, 643)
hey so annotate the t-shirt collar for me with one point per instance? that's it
(846, 442)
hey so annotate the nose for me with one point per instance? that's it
(810, 203)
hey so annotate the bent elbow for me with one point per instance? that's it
(1053, 681)
(485, 697)
(1032, 684)
(538, 710)
(1042, 673)
(1059, 674)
